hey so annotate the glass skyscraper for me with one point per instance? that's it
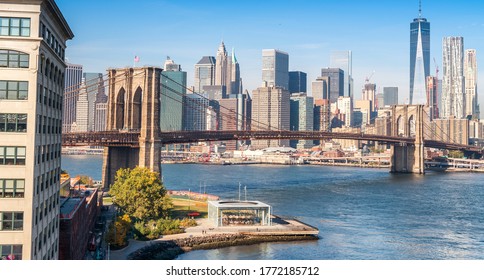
(343, 61)
(419, 59)
(275, 68)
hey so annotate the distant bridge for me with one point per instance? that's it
(133, 136)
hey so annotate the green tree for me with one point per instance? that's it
(139, 193)
(85, 180)
(118, 231)
(456, 154)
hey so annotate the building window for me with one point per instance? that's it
(13, 59)
(12, 188)
(13, 122)
(10, 252)
(12, 155)
(14, 27)
(14, 90)
(11, 221)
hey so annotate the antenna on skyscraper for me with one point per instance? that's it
(419, 8)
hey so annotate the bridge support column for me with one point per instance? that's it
(115, 158)
(134, 105)
(408, 158)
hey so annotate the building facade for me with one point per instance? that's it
(345, 107)
(34, 34)
(320, 88)
(470, 74)
(344, 61)
(432, 97)
(419, 59)
(82, 111)
(369, 93)
(297, 82)
(302, 118)
(322, 116)
(451, 130)
(336, 82)
(95, 94)
(73, 79)
(173, 88)
(204, 73)
(270, 111)
(195, 110)
(390, 96)
(453, 83)
(275, 68)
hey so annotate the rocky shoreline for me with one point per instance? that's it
(169, 250)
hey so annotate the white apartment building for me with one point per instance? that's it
(33, 37)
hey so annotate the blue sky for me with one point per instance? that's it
(110, 33)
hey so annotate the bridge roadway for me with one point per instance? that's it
(131, 138)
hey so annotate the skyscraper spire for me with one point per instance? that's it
(234, 59)
(420, 9)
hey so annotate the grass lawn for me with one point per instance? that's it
(181, 207)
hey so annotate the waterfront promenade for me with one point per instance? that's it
(281, 228)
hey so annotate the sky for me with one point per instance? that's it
(110, 33)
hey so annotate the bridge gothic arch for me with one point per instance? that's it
(408, 121)
(133, 105)
(137, 110)
(411, 126)
(119, 109)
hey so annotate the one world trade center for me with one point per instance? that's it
(419, 59)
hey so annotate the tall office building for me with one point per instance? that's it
(380, 101)
(229, 120)
(101, 102)
(235, 80)
(82, 110)
(73, 79)
(453, 83)
(100, 117)
(390, 96)
(302, 118)
(222, 73)
(33, 37)
(270, 111)
(227, 71)
(369, 93)
(336, 82)
(470, 74)
(343, 61)
(195, 111)
(95, 93)
(297, 82)
(345, 107)
(432, 97)
(322, 116)
(204, 73)
(173, 88)
(320, 88)
(275, 68)
(419, 58)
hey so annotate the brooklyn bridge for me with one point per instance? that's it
(133, 136)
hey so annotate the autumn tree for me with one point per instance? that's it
(118, 231)
(140, 194)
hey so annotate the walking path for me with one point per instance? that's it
(204, 228)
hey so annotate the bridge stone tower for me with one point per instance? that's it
(408, 121)
(133, 106)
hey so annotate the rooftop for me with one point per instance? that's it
(237, 204)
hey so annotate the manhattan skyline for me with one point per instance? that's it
(377, 33)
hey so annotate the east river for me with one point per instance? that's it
(361, 213)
